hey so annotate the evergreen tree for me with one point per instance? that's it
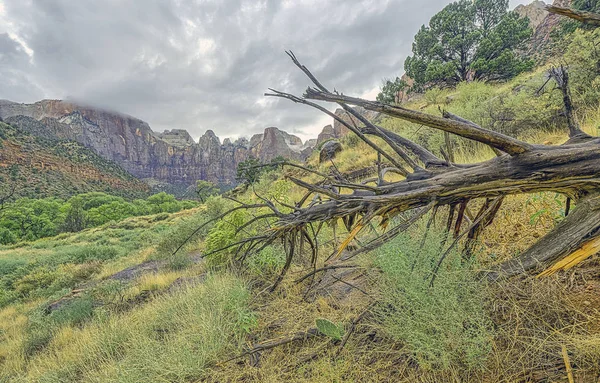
(391, 89)
(469, 40)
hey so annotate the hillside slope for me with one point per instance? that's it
(50, 167)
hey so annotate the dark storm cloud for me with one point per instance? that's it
(202, 64)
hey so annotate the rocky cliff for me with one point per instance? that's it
(535, 11)
(47, 167)
(543, 24)
(169, 157)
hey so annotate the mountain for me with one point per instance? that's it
(543, 24)
(52, 167)
(171, 157)
(535, 11)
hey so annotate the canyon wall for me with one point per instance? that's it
(169, 157)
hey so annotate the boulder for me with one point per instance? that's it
(329, 150)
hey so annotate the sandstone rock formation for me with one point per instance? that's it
(535, 11)
(170, 157)
(544, 25)
(326, 134)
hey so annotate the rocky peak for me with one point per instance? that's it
(209, 137)
(535, 11)
(326, 134)
(542, 33)
(275, 143)
(168, 157)
(177, 137)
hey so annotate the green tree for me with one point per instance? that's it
(76, 217)
(469, 40)
(249, 171)
(391, 89)
(205, 189)
(7, 237)
(163, 202)
(587, 5)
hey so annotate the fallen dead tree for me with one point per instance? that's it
(431, 183)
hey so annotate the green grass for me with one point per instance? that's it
(442, 326)
(174, 338)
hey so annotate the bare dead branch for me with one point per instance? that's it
(497, 140)
(582, 16)
(561, 76)
(350, 127)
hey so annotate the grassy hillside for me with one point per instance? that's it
(122, 303)
(56, 168)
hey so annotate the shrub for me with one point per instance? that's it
(442, 326)
(39, 278)
(268, 262)
(223, 234)
(7, 237)
(8, 266)
(177, 235)
(92, 253)
(7, 297)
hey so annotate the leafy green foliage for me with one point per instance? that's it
(391, 89)
(443, 325)
(31, 219)
(469, 40)
(569, 26)
(205, 189)
(248, 171)
(330, 329)
(223, 234)
(268, 262)
(583, 57)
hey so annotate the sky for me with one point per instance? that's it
(204, 64)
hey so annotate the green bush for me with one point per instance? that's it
(177, 235)
(30, 219)
(7, 297)
(7, 237)
(442, 326)
(39, 278)
(268, 262)
(88, 253)
(8, 266)
(223, 234)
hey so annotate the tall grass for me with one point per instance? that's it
(174, 338)
(442, 326)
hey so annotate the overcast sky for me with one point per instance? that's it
(204, 64)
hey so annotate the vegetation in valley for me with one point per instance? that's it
(29, 219)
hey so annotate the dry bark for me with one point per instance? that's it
(571, 169)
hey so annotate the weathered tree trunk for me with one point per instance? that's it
(572, 169)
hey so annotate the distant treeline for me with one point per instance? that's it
(29, 219)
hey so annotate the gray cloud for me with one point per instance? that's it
(202, 64)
